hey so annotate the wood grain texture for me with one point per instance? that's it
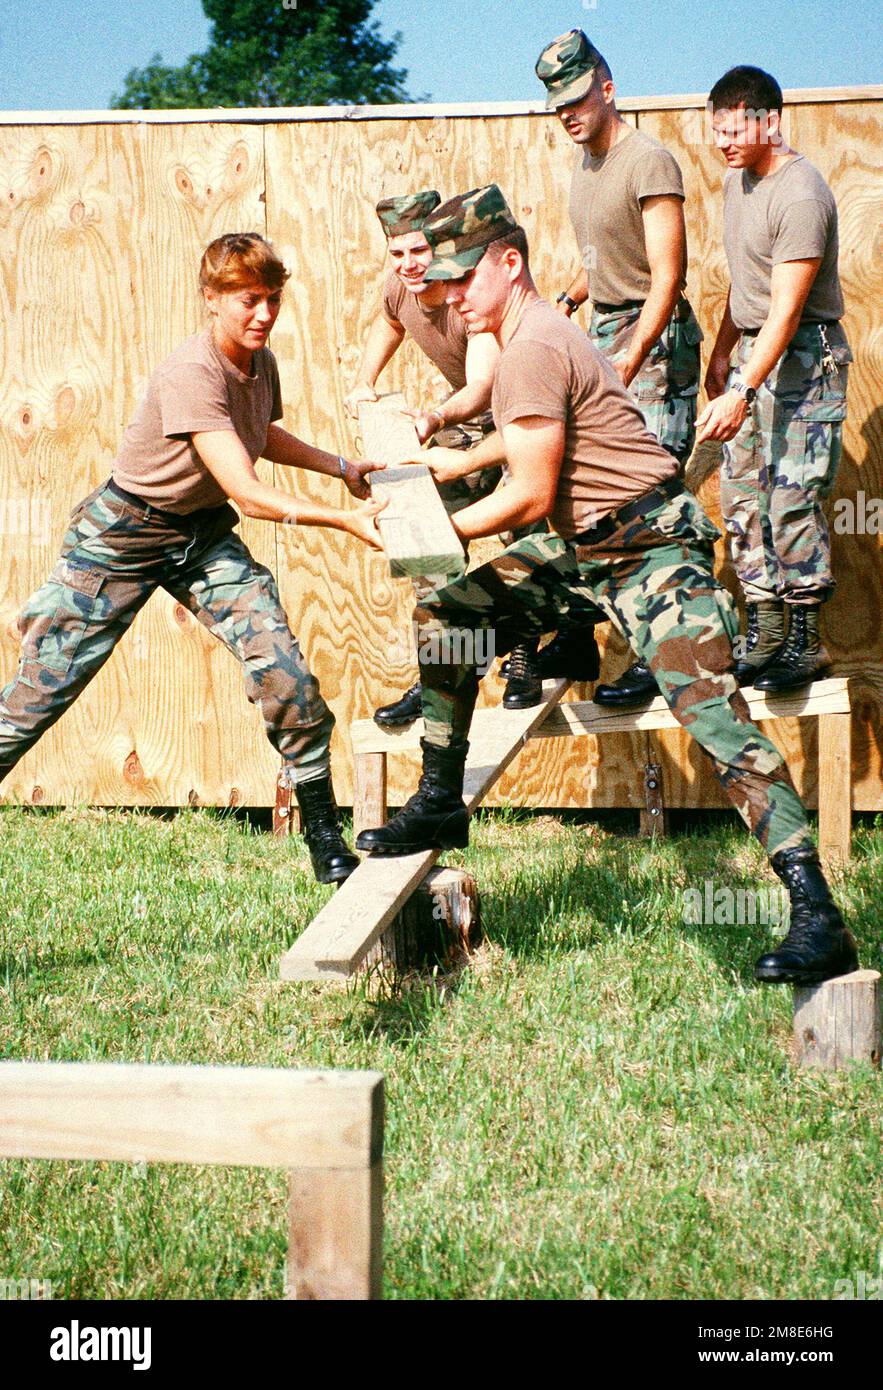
(839, 1022)
(101, 243)
(102, 228)
(440, 924)
(335, 1240)
(417, 534)
(252, 1116)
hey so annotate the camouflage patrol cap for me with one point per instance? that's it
(461, 230)
(567, 68)
(407, 214)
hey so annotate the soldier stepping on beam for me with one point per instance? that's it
(627, 535)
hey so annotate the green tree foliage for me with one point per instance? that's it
(260, 53)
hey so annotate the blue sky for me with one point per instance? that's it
(73, 54)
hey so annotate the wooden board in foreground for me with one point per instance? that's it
(340, 936)
(253, 1116)
(417, 534)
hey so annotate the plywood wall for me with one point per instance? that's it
(101, 228)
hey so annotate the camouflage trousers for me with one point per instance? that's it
(667, 385)
(781, 466)
(649, 567)
(115, 554)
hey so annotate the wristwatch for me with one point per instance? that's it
(564, 298)
(742, 388)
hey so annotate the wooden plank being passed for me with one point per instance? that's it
(417, 534)
(341, 935)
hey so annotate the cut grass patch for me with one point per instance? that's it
(601, 1105)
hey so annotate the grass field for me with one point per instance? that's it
(601, 1106)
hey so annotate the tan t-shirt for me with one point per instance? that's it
(550, 368)
(440, 333)
(789, 215)
(605, 209)
(196, 388)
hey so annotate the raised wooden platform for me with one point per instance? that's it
(827, 701)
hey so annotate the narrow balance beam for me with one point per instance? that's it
(325, 1127)
(826, 700)
(342, 934)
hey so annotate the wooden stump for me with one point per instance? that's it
(838, 1022)
(438, 925)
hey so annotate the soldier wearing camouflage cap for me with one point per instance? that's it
(411, 306)
(627, 535)
(781, 412)
(627, 209)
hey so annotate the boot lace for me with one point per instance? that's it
(522, 663)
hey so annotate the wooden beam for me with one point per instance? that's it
(416, 531)
(251, 1116)
(340, 936)
(369, 791)
(411, 111)
(583, 717)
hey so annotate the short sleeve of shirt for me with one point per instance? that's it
(531, 380)
(193, 397)
(802, 232)
(391, 303)
(657, 172)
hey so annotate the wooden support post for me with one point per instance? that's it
(369, 791)
(654, 817)
(838, 1022)
(835, 787)
(326, 1127)
(335, 1243)
(439, 925)
(286, 812)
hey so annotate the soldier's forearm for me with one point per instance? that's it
(579, 289)
(503, 510)
(473, 399)
(770, 343)
(652, 320)
(382, 342)
(728, 334)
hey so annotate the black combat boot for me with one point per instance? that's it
(802, 657)
(573, 653)
(320, 826)
(402, 711)
(764, 635)
(636, 686)
(524, 686)
(818, 945)
(434, 817)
